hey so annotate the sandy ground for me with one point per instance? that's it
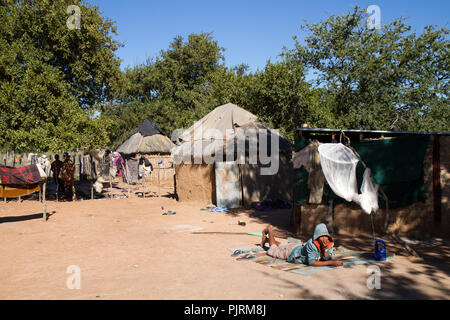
(126, 249)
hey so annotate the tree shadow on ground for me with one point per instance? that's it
(394, 286)
(404, 286)
(278, 218)
(303, 293)
(433, 266)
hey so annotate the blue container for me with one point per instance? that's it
(380, 250)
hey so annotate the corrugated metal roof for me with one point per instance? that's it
(326, 130)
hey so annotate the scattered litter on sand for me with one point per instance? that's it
(210, 206)
(219, 209)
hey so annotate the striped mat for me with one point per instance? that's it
(261, 257)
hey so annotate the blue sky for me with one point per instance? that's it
(251, 31)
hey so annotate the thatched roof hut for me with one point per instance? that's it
(230, 122)
(230, 183)
(146, 139)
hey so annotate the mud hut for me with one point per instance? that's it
(148, 145)
(217, 160)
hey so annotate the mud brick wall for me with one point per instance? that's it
(196, 183)
(166, 168)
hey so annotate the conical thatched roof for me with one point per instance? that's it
(229, 122)
(146, 139)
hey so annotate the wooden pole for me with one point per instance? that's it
(297, 219)
(397, 239)
(110, 186)
(159, 180)
(329, 218)
(436, 181)
(144, 185)
(44, 204)
(125, 171)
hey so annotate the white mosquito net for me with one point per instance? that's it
(339, 167)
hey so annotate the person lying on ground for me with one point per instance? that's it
(317, 251)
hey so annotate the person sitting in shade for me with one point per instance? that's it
(56, 169)
(317, 251)
(67, 173)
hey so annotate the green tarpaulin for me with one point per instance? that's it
(396, 163)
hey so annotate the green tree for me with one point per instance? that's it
(173, 90)
(52, 78)
(379, 79)
(284, 100)
(278, 95)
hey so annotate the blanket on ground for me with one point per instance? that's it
(260, 256)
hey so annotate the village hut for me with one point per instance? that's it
(212, 160)
(148, 146)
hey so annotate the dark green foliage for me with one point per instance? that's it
(387, 79)
(63, 89)
(51, 77)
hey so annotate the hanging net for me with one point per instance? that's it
(339, 167)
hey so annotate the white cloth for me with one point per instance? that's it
(368, 199)
(303, 157)
(339, 167)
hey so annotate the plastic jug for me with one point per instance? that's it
(380, 250)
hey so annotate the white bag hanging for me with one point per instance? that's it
(368, 199)
(339, 167)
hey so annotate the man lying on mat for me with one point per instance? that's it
(317, 251)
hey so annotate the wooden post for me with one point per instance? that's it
(125, 172)
(44, 204)
(159, 180)
(436, 181)
(110, 186)
(297, 210)
(143, 183)
(330, 214)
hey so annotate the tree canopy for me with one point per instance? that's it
(52, 77)
(387, 79)
(63, 89)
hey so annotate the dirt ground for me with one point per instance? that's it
(126, 249)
